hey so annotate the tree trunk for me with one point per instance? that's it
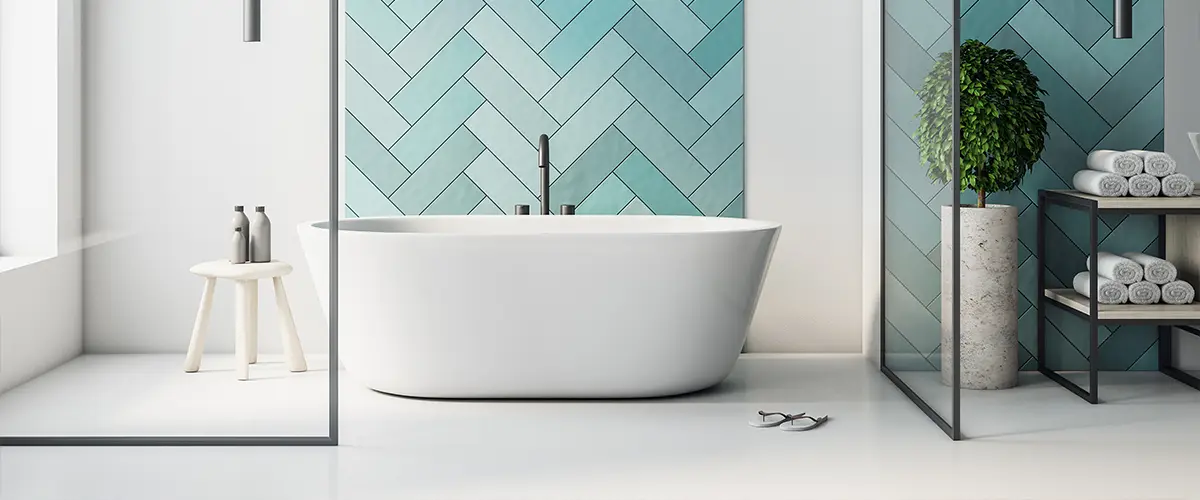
(979, 176)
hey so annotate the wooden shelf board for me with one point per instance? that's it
(1135, 203)
(1078, 302)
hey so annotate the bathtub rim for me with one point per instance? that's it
(741, 226)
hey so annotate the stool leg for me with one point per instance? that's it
(200, 328)
(242, 320)
(252, 327)
(287, 324)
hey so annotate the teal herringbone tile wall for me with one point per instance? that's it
(1103, 93)
(642, 100)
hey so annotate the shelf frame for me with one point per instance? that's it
(1094, 206)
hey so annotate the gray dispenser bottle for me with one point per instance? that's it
(260, 236)
(237, 251)
(240, 222)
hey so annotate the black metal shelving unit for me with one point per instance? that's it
(1165, 317)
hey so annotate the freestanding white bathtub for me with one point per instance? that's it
(542, 306)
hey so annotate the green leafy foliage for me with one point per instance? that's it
(1003, 120)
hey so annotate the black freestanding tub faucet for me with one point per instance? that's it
(544, 170)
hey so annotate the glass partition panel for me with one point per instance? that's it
(1026, 230)
(919, 210)
(1059, 232)
(157, 312)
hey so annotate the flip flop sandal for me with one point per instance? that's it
(792, 427)
(772, 419)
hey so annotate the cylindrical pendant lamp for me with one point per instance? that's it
(1122, 18)
(252, 20)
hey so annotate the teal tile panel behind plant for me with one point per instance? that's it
(642, 100)
(1103, 93)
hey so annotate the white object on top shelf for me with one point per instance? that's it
(1122, 163)
(1104, 184)
(1157, 163)
(1178, 185)
(1144, 185)
(1195, 138)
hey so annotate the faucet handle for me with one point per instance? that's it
(566, 210)
(521, 210)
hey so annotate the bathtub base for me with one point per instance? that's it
(508, 383)
(581, 395)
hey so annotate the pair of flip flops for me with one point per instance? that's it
(787, 421)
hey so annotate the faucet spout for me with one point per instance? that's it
(544, 170)
(543, 151)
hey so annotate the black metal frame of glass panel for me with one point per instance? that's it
(952, 428)
(332, 438)
(1166, 344)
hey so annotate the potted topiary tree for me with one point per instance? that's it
(1002, 134)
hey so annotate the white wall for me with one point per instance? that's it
(804, 153)
(40, 220)
(40, 313)
(182, 121)
(1182, 21)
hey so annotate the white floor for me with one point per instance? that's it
(150, 394)
(1038, 441)
(1135, 406)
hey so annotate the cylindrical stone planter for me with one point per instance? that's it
(988, 289)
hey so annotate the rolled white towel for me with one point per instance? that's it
(1100, 183)
(1144, 186)
(1177, 185)
(1116, 268)
(1117, 162)
(1155, 270)
(1156, 163)
(1109, 291)
(1144, 292)
(1178, 292)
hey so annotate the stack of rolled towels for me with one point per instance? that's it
(1132, 173)
(1134, 277)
